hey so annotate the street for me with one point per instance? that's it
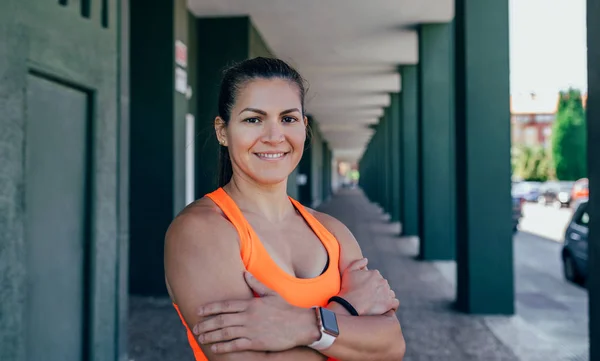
(545, 221)
(551, 313)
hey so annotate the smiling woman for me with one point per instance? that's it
(254, 274)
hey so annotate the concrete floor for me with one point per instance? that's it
(550, 324)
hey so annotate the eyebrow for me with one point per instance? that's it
(265, 113)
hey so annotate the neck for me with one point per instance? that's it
(270, 201)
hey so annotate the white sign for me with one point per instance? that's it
(180, 53)
(189, 158)
(301, 179)
(181, 80)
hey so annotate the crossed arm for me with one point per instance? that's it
(272, 329)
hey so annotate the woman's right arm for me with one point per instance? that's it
(203, 265)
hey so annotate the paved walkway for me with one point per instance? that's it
(433, 331)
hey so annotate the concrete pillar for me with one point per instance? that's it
(157, 144)
(485, 282)
(395, 157)
(326, 169)
(436, 124)
(316, 180)
(593, 126)
(305, 170)
(385, 161)
(410, 150)
(379, 162)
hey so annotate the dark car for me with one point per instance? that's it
(575, 248)
(557, 194)
(530, 191)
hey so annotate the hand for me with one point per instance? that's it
(367, 290)
(266, 323)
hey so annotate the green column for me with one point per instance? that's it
(436, 124)
(326, 187)
(365, 173)
(410, 150)
(394, 152)
(593, 129)
(157, 143)
(484, 233)
(316, 167)
(380, 164)
(385, 161)
(221, 42)
(305, 169)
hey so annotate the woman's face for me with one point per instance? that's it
(266, 131)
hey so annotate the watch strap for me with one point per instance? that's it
(326, 340)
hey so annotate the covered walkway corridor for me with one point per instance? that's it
(106, 133)
(548, 329)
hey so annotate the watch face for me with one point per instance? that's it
(329, 322)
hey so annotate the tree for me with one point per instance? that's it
(533, 164)
(569, 137)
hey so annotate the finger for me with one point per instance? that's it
(222, 335)
(395, 304)
(230, 306)
(237, 345)
(258, 288)
(357, 265)
(218, 322)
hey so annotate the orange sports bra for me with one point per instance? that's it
(297, 291)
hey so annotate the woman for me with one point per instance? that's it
(245, 264)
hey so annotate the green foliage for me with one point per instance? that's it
(532, 164)
(569, 137)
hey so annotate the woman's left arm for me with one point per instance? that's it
(367, 338)
(376, 337)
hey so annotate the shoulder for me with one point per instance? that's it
(350, 249)
(200, 230)
(201, 215)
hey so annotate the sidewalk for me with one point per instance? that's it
(432, 329)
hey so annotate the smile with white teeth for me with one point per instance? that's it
(270, 155)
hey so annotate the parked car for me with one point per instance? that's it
(517, 210)
(581, 190)
(557, 194)
(575, 249)
(529, 191)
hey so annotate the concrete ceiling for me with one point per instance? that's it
(348, 51)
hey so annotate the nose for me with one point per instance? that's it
(273, 132)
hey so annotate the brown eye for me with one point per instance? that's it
(252, 120)
(289, 119)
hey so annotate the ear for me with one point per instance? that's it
(221, 131)
(305, 121)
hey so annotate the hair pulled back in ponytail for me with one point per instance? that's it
(234, 79)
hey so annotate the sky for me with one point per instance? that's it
(548, 50)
